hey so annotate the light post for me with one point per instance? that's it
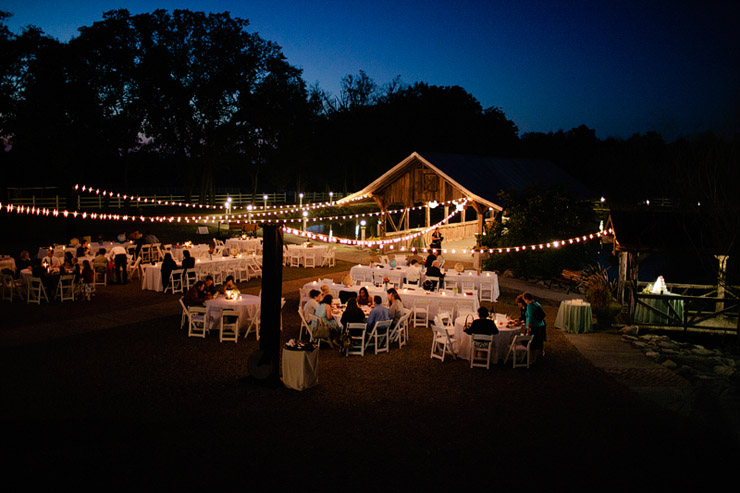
(264, 197)
(249, 208)
(363, 223)
(305, 216)
(331, 198)
(300, 200)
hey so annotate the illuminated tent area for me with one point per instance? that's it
(436, 180)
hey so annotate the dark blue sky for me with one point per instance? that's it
(618, 67)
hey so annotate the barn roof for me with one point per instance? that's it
(479, 178)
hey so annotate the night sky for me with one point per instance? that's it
(618, 67)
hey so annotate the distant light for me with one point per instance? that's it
(647, 202)
(603, 200)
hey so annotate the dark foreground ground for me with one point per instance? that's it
(111, 394)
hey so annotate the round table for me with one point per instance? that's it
(245, 305)
(501, 341)
(574, 316)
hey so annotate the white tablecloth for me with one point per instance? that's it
(574, 317)
(152, 277)
(300, 369)
(317, 252)
(197, 251)
(365, 272)
(455, 279)
(244, 245)
(246, 306)
(7, 263)
(408, 297)
(501, 341)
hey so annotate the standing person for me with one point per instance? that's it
(437, 239)
(522, 309)
(120, 260)
(535, 319)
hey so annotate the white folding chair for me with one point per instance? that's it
(66, 288)
(197, 322)
(481, 348)
(309, 260)
(101, 276)
(135, 269)
(255, 269)
(434, 280)
(35, 291)
(145, 253)
(448, 308)
(467, 286)
(175, 284)
(295, 258)
(254, 325)
(189, 278)
(356, 334)
(10, 287)
(229, 329)
(185, 314)
(395, 279)
(380, 336)
(442, 343)
(305, 325)
(519, 350)
(485, 291)
(399, 332)
(420, 312)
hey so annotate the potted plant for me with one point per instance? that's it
(600, 292)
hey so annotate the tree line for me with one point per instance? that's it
(196, 101)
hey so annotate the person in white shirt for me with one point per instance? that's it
(414, 272)
(119, 258)
(309, 309)
(51, 260)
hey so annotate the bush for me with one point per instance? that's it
(601, 293)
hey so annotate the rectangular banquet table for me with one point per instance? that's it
(409, 296)
(245, 245)
(366, 272)
(501, 341)
(196, 251)
(574, 316)
(152, 273)
(456, 279)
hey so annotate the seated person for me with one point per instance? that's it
(51, 260)
(210, 288)
(434, 271)
(483, 324)
(229, 285)
(326, 318)
(363, 298)
(24, 262)
(196, 295)
(168, 265)
(395, 305)
(309, 309)
(84, 249)
(352, 314)
(430, 260)
(188, 262)
(100, 262)
(379, 313)
(413, 274)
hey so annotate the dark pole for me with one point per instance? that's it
(264, 363)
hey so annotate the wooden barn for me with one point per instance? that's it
(437, 179)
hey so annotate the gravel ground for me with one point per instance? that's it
(112, 394)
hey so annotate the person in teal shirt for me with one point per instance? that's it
(535, 323)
